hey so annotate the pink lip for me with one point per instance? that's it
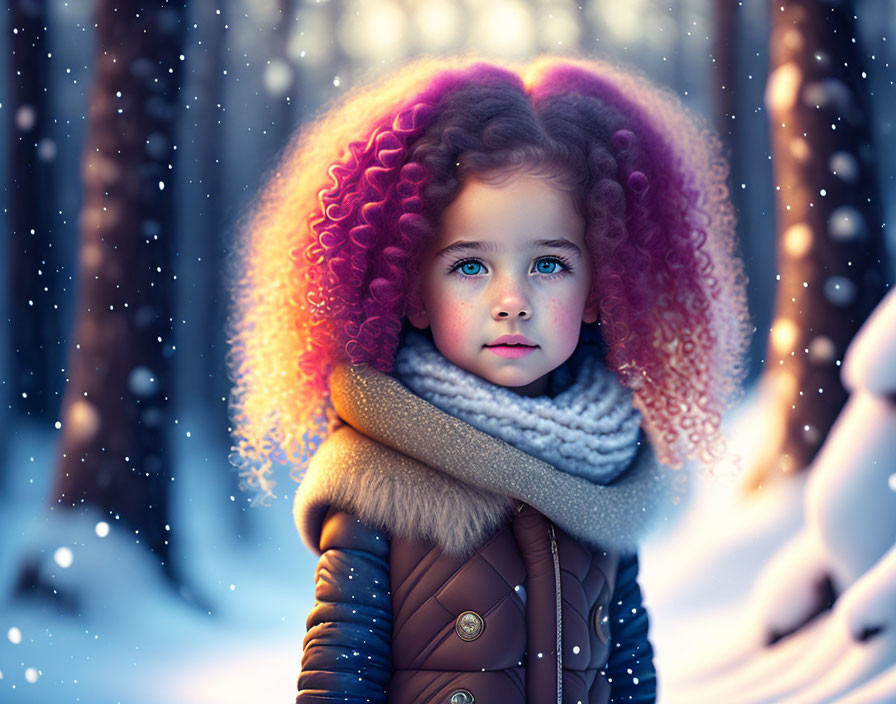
(513, 340)
(512, 346)
(510, 351)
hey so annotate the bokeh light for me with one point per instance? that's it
(438, 24)
(373, 30)
(504, 28)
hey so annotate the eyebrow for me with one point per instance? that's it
(468, 246)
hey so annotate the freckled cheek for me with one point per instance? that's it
(565, 320)
(455, 321)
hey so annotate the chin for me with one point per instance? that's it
(513, 380)
(503, 377)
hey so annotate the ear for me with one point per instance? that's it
(592, 310)
(415, 311)
(418, 318)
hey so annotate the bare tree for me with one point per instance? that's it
(830, 245)
(285, 96)
(114, 413)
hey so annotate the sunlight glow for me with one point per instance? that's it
(784, 335)
(504, 28)
(797, 240)
(624, 20)
(311, 42)
(82, 419)
(373, 30)
(558, 27)
(438, 24)
(783, 87)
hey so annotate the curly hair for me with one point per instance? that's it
(328, 259)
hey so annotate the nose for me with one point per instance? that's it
(511, 302)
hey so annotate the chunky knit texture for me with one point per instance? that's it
(589, 429)
(403, 465)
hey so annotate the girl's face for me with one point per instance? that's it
(505, 283)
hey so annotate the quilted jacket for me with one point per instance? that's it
(430, 589)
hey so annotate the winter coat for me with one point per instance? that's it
(457, 569)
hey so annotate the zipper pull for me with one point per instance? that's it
(519, 509)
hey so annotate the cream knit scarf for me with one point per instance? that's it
(589, 429)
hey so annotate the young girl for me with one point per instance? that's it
(471, 295)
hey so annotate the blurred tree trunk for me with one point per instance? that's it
(341, 63)
(725, 66)
(830, 244)
(284, 93)
(208, 137)
(112, 454)
(33, 316)
(724, 54)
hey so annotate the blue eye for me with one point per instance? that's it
(470, 268)
(548, 266)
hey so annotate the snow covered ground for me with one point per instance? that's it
(716, 580)
(131, 640)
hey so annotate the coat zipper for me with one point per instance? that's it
(559, 615)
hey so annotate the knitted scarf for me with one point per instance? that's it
(589, 429)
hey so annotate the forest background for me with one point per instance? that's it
(135, 136)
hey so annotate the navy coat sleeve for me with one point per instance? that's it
(347, 649)
(630, 669)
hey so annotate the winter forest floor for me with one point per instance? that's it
(125, 637)
(131, 639)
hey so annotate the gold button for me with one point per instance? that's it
(602, 624)
(469, 626)
(461, 696)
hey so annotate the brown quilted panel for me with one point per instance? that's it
(431, 593)
(430, 590)
(416, 571)
(586, 578)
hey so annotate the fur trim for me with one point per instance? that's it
(388, 490)
(417, 472)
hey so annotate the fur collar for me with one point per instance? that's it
(403, 465)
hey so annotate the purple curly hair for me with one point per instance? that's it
(649, 181)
